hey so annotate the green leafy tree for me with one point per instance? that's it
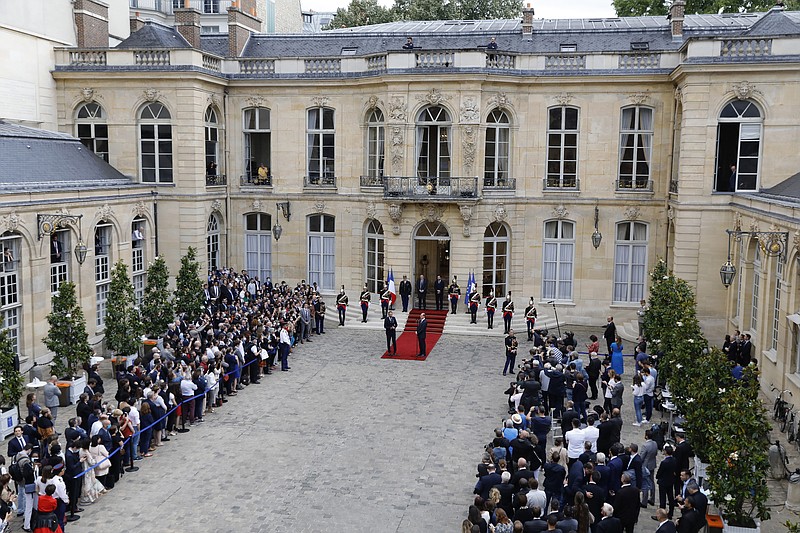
(157, 308)
(365, 12)
(67, 337)
(360, 13)
(123, 323)
(488, 9)
(635, 8)
(189, 288)
(423, 10)
(11, 381)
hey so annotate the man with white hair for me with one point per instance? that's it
(51, 396)
(608, 523)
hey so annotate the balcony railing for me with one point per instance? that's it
(500, 184)
(673, 186)
(736, 48)
(167, 7)
(565, 62)
(376, 63)
(257, 66)
(151, 57)
(216, 179)
(435, 59)
(639, 61)
(434, 188)
(558, 183)
(9, 265)
(629, 184)
(248, 180)
(501, 61)
(371, 181)
(326, 181)
(87, 57)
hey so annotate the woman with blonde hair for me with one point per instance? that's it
(504, 524)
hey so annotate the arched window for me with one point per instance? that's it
(738, 147)
(321, 162)
(433, 145)
(155, 137)
(138, 271)
(558, 260)
(630, 261)
(92, 129)
(562, 147)
(498, 141)
(322, 251)
(10, 296)
(102, 270)
(212, 142)
(258, 245)
(635, 148)
(374, 256)
(375, 144)
(212, 242)
(257, 146)
(495, 258)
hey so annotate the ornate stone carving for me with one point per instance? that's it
(216, 205)
(501, 101)
(213, 100)
(140, 209)
(396, 214)
(319, 206)
(431, 212)
(466, 216)
(564, 98)
(680, 93)
(468, 144)
(397, 150)
(632, 213)
(670, 214)
(500, 213)
(397, 109)
(105, 212)
(469, 110)
(560, 211)
(433, 97)
(796, 239)
(372, 210)
(87, 93)
(151, 95)
(256, 101)
(744, 90)
(737, 221)
(373, 101)
(320, 101)
(754, 226)
(639, 98)
(10, 222)
(258, 205)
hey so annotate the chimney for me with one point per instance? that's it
(91, 23)
(527, 20)
(187, 22)
(136, 22)
(676, 12)
(240, 25)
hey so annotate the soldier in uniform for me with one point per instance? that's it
(474, 302)
(341, 305)
(454, 291)
(386, 298)
(508, 312)
(511, 352)
(365, 298)
(530, 318)
(491, 305)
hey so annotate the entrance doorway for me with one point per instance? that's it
(432, 254)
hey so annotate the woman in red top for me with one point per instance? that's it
(46, 521)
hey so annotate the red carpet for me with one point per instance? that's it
(407, 344)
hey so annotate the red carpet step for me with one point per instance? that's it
(407, 344)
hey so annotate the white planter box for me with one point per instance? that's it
(8, 419)
(76, 389)
(699, 468)
(737, 529)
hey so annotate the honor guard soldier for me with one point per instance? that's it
(508, 313)
(530, 318)
(491, 305)
(341, 305)
(365, 298)
(454, 291)
(386, 298)
(474, 302)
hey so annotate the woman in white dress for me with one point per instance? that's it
(91, 487)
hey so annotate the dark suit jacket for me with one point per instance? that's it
(389, 323)
(609, 525)
(422, 285)
(598, 498)
(422, 328)
(626, 505)
(405, 288)
(610, 334)
(681, 455)
(666, 472)
(438, 285)
(667, 527)
(484, 484)
(690, 522)
(14, 447)
(534, 526)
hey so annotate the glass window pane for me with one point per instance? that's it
(327, 119)
(570, 118)
(555, 118)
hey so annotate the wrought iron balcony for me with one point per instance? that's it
(431, 188)
(371, 181)
(216, 179)
(502, 184)
(249, 180)
(558, 183)
(324, 181)
(629, 184)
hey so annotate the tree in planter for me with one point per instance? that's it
(123, 325)
(157, 308)
(67, 337)
(11, 381)
(189, 288)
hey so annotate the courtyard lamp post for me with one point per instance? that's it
(597, 237)
(771, 243)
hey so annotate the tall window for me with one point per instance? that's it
(138, 270)
(212, 142)
(630, 261)
(756, 290)
(321, 139)
(498, 141)
(376, 132)
(738, 147)
(257, 143)
(59, 259)
(258, 245)
(559, 252)
(92, 129)
(776, 308)
(635, 147)
(495, 259)
(562, 147)
(374, 256)
(102, 270)
(212, 242)
(210, 6)
(10, 301)
(155, 135)
(322, 251)
(433, 146)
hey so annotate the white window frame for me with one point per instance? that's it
(776, 307)
(755, 132)
(158, 116)
(102, 270)
(322, 252)
(433, 122)
(258, 245)
(495, 234)
(756, 289)
(321, 146)
(211, 146)
(374, 249)
(638, 139)
(60, 271)
(11, 295)
(212, 241)
(497, 149)
(625, 289)
(558, 149)
(92, 116)
(256, 121)
(558, 261)
(376, 144)
(138, 259)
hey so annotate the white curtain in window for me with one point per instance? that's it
(314, 258)
(750, 132)
(550, 270)
(621, 272)
(565, 271)
(646, 125)
(251, 253)
(422, 132)
(265, 259)
(638, 272)
(328, 263)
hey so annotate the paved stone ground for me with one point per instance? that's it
(346, 441)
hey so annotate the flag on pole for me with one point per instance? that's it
(471, 286)
(391, 286)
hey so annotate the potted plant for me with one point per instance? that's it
(157, 308)
(67, 338)
(189, 288)
(11, 385)
(123, 324)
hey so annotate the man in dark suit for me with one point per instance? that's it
(745, 350)
(665, 479)
(485, 483)
(610, 333)
(690, 520)
(575, 478)
(405, 292)
(626, 503)
(595, 496)
(683, 451)
(608, 522)
(17, 442)
(422, 292)
(422, 331)
(665, 525)
(438, 290)
(390, 325)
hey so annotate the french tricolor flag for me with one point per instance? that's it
(391, 286)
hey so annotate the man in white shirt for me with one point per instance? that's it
(133, 416)
(575, 440)
(591, 432)
(188, 388)
(285, 345)
(98, 425)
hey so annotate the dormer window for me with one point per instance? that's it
(640, 46)
(569, 48)
(349, 51)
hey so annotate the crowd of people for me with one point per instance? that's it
(558, 462)
(246, 329)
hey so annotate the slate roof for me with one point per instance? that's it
(155, 35)
(788, 188)
(34, 159)
(773, 24)
(214, 44)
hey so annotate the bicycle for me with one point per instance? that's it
(791, 426)
(780, 408)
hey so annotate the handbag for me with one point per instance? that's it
(30, 488)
